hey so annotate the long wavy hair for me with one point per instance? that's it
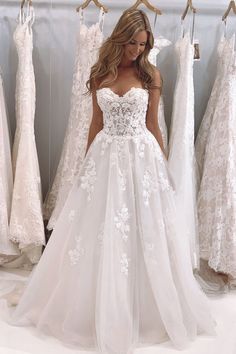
(105, 70)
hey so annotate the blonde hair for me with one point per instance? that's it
(110, 54)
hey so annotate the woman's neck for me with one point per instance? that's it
(126, 64)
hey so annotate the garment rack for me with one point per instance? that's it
(96, 2)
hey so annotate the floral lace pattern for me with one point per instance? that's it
(217, 193)
(115, 255)
(126, 121)
(26, 222)
(89, 178)
(149, 186)
(121, 219)
(225, 52)
(77, 252)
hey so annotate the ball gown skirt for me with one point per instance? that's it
(116, 272)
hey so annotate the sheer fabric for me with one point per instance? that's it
(117, 247)
(26, 222)
(159, 44)
(181, 158)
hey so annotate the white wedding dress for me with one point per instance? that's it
(217, 192)
(80, 116)
(159, 44)
(181, 158)
(117, 270)
(88, 42)
(225, 50)
(8, 250)
(26, 222)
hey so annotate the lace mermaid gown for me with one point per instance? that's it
(181, 160)
(75, 143)
(217, 192)
(7, 249)
(225, 50)
(26, 222)
(118, 274)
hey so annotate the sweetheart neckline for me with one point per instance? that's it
(121, 96)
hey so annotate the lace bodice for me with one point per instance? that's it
(123, 115)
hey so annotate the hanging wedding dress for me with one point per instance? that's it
(159, 44)
(26, 222)
(8, 250)
(225, 50)
(181, 158)
(117, 247)
(217, 193)
(88, 42)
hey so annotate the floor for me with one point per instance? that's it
(17, 340)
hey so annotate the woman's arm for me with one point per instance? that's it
(97, 121)
(152, 112)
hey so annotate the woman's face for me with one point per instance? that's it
(136, 46)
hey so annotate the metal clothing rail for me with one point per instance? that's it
(204, 7)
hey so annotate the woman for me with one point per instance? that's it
(116, 272)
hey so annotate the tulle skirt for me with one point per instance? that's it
(117, 272)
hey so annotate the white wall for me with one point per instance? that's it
(55, 31)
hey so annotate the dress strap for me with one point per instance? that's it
(191, 30)
(101, 19)
(193, 27)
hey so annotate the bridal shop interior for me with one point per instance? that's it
(55, 28)
(56, 52)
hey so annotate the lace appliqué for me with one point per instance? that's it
(121, 222)
(124, 263)
(149, 186)
(76, 253)
(89, 178)
(125, 115)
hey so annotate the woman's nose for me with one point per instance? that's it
(138, 48)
